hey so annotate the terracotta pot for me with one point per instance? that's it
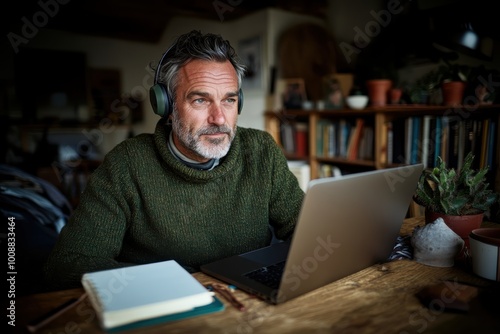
(461, 225)
(453, 92)
(378, 91)
(395, 95)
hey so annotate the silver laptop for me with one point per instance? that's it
(345, 224)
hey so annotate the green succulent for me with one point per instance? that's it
(463, 192)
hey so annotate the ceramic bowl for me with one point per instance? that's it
(485, 252)
(357, 101)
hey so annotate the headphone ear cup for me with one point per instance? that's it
(159, 100)
(240, 101)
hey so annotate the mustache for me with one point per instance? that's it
(210, 130)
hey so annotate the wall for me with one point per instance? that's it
(134, 59)
(346, 19)
(267, 25)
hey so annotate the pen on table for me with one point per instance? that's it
(38, 323)
(228, 295)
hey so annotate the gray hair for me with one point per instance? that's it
(195, 45)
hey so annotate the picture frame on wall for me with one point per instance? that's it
(336, 88)
(250, 52)
(290, 93)
(333, 94)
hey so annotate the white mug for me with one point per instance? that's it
(485, 252)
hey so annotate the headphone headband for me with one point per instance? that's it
(160, 63)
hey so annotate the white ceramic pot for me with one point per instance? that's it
(435, 244)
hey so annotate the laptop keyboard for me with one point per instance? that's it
(269, 275)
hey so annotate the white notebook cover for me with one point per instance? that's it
(126, 295)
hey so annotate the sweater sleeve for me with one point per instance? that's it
(286, 196)
(92, 238)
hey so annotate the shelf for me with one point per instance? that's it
(365, 163)
(389, 109)
(381, 118)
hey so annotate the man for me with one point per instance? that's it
(198, 189)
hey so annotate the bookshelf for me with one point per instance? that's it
(400, 134)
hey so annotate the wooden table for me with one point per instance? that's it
(378, 299)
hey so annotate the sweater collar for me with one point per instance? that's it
(210, 164)
(226, 164)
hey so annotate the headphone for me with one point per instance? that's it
(160, 100)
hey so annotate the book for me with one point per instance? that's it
(215, 306)
(416, 142)
(126, 295)
(366, 146)
(390, 142)
(288, 137)
(332, 140)
(345, 130)
(355, 139)
(461, 144)
(453, 139)
(476, 142)
(408, 139)
(398, 145)
(484, 144)
(326, 141)
(437, 141)
(431, 141)
(491, 145)
(301, 139)
(445, 129)
(426, 142)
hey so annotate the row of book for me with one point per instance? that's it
(425, 138)
(295, 138)
(351, 139)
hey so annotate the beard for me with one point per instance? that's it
(208, 148)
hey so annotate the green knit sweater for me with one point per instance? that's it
(143, 205)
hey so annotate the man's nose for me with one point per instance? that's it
(216, 115)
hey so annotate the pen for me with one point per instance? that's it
(228, 295)
(38, 323)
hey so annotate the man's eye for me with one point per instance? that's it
(199, 101)
(231, 100)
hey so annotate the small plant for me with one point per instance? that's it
(444, 190)
(444, 73)
(356, 91)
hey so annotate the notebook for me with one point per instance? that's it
(345, 224)
(215, 306)
(127, 295)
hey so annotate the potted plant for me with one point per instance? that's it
(459, 197)
(453, 83)
(443, 85)
(377, 71)
(453, 79)
(425, 89)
